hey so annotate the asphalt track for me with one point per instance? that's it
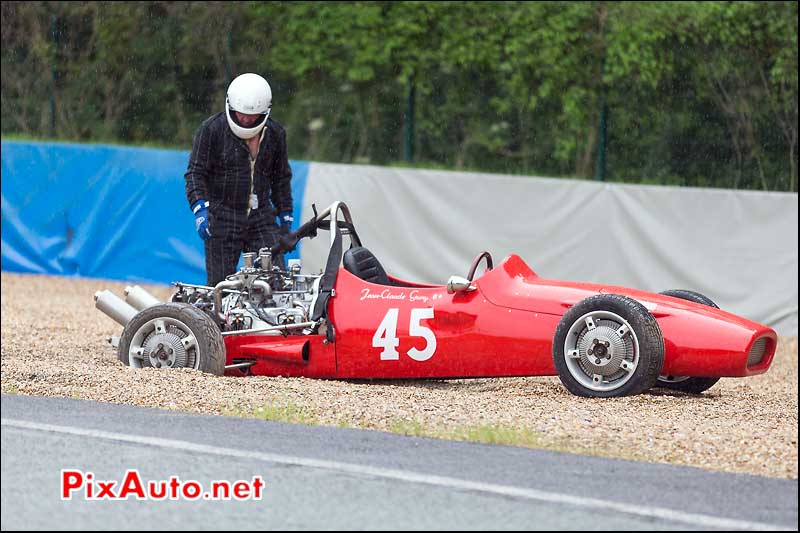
(331, 478)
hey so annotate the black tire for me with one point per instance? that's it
(180, 320)
(636, 357)
(692, 385)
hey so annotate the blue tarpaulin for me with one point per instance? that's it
(102, 211)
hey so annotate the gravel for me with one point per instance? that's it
(54, 343)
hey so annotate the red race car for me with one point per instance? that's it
(356, 321)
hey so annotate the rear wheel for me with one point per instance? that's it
(693, 385)
(608, 345)
(173, 335)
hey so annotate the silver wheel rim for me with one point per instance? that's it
(164, 343)
(601, 351)
(672, 379)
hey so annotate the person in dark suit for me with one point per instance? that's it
(239, 179)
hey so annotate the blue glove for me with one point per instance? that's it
(200, 210)
(286, 220)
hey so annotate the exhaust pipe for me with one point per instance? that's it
(140, 298)
(113, 306)
(291, 350)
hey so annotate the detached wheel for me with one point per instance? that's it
(693, 385)
(173, 335)
(608, 345)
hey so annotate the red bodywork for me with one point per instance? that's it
(504, 328)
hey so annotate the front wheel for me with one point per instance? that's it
(173, 335)
(608, 345)
(692, 385)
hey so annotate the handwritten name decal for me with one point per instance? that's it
(387, 294)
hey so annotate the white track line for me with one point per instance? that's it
(692, 519)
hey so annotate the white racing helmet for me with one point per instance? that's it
(249, 94)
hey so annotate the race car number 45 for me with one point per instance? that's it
(386, 335)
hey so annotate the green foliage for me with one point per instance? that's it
(699, 93)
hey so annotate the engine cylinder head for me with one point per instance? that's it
(265, 257)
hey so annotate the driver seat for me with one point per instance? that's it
(361, 263)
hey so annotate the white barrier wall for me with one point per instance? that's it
(739, 248)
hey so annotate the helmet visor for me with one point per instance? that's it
(247, 121)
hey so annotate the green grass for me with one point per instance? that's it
(487, 433)
(10, 389)
(498, 434)
(410, 427)
(290, 413)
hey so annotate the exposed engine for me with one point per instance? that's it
(257, 297)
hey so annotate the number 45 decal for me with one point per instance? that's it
(386, 336)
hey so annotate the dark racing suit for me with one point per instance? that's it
(220, 172)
